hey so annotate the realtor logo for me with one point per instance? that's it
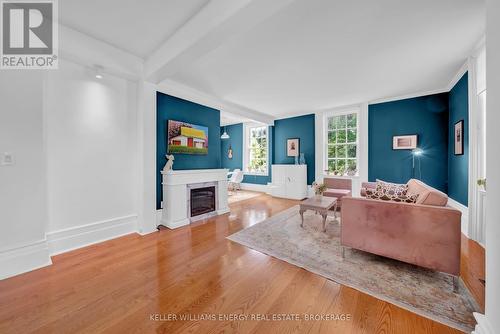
(29, 34)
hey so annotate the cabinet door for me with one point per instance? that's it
(278, 175)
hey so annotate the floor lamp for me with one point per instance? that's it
(416, 152)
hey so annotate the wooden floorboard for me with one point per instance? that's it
(116, 286)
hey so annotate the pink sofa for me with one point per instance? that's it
(426, 233)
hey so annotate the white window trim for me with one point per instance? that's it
(340, 112)
(246, 138)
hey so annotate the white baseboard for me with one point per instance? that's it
(255, 187)
(465, 214)
(25, 258)
(84, 235)
(483, 326)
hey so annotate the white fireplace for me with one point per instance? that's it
(190, 195)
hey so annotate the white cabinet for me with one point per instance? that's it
(289, 181)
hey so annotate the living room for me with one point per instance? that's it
(246, 166)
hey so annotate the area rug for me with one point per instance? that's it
(241, 195)
(425, 292)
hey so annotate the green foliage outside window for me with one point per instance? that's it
(342, 144)
(257, 162)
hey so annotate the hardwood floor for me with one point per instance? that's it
(472, 268)
(132, 284)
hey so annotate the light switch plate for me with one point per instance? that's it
(7, 159)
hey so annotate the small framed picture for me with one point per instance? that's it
(292, 147)
(459, 137)
(408, 142)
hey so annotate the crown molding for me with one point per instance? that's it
(463, 69)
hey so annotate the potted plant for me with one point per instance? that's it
(319, 188)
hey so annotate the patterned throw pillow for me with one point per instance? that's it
(392, 190)
(383, 196)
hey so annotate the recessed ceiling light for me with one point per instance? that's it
(98, 71)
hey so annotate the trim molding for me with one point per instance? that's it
(483, 326)
(465, 215)
(458, 76)
(263, 188)
(23, 259)
(409, 96)
(65, 240)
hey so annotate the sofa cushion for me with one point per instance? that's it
(426, 194)
(337, 193)
(384, 196)
(392, 189)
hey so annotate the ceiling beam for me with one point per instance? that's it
(216, 23)
(184, 92)
(88, 51)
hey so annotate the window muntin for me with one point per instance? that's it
(256, 150)
(342, 144)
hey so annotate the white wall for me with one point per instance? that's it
(91, 156)
(493, 169)
(23, 214)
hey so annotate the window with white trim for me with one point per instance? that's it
(341, 151)
(255, 159)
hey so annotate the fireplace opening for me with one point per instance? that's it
(202, 200)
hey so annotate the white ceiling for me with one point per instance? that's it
(289, 56)
(227, 118)
(138, 27)
(318, 54)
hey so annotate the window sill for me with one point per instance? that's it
(255, 174)
(342, 176)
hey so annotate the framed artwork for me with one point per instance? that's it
(407, 142)
(459, 137)
(292, 147)
(185, 138)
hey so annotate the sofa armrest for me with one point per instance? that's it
(428, 236)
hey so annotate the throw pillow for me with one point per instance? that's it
(383, 196)
(392, 190)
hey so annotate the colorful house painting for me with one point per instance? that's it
(187, 138)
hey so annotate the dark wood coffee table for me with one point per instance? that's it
(320, 204)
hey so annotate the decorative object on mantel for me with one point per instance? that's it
(230, 152)
(224, 135)
(302, 160)
(319, 188)
(459, 137)
(185, 138)
(419, 290)
(292, 147)
(408, 142)
(170, 163)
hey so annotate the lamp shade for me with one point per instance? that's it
(224, 134)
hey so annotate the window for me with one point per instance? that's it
(256, 150)
(342, 144)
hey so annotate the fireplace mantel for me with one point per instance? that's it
(175, 211)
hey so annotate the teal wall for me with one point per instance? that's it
(426, 117)
(301, 127)
(235, 141)
(458, 165)
(297, 127)
(173, 108)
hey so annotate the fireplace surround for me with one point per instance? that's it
(177, 201)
